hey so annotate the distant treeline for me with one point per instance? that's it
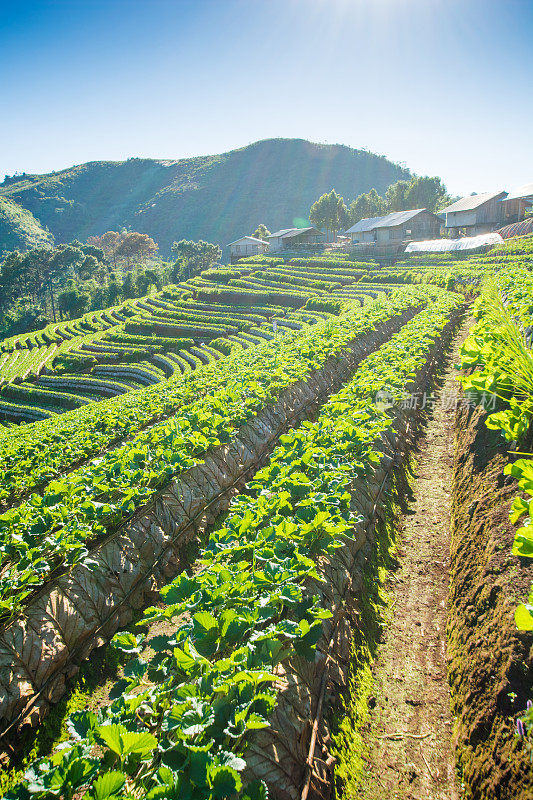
(47, 284)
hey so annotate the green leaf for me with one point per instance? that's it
(256, 790)
(140, 744)
(231, 760)
(205, 620)
(107, 785)
(523, 542)
(196, 719)
(185, 662)
(128, 642)
(124, 742)
(80, 723)
(224, 782)
(110, 735)
(181, 589)
(198, 769)
(306, 644)
(19, 792)
(524, 617)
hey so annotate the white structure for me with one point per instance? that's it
(448, 245)
(290, 237)
(247, 246)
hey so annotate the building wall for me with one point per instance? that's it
(514, 210)
(484, 218)
(305, 238)
(423, 226)
(275, 244)
(366, 237)
(247, 249)
(384, 235)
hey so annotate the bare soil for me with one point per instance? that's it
(408, 736)
(490, 662)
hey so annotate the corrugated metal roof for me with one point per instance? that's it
(399, 217)
(525, 191)
(389, 221)
(247, 239)
(281, 232)
(472, 202)
(298, 231)
(288, 233)
(363, 225)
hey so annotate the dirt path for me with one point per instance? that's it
(408, 736)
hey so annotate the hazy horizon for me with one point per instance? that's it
(435, 85)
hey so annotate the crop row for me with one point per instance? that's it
(51, 530)
(30, 457)
(179, 723)
(57, 393)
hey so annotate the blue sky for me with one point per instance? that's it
(441, 85)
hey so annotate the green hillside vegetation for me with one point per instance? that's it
(215, 198)
(19, 230)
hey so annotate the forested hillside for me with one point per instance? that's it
(19, 230)
(216, 198)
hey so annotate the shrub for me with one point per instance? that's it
(330, 306)
(67, 362)
(222, 345)
(220, 275)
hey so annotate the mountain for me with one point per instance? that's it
(19, 230)
(216, 198)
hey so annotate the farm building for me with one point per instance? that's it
(247, 246)
(524, 192)
(478, 213)
(482, 213)
(397, 226)
(288, 238)
(517, 203)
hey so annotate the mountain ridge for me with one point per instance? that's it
(215, 197)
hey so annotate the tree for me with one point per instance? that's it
(343, 215)
(367, 205)
(261, 232)
(426, 192)
(396, 196)
(88, 267)
(127, 245)
(108, 243)
(329, 212)
(193, 257)
(12, 282)
(419, 192)
(138, 246)
(73, 302)
(114, 290)
(147, 278)
(129, 288)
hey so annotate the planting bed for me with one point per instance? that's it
(490, 662)
(79, 612)
(326, 537)
(259, 472)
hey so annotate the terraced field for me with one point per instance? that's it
(71, 364)
(208, 477)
